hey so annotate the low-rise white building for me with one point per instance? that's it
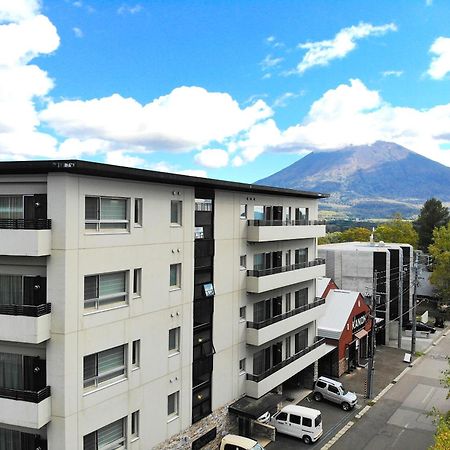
(135, 306)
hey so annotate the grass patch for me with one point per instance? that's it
(419, 354)
(371, 403)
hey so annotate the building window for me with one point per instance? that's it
(288, 347)
(243, 262)
(136, 354)
(243, 213)
(174, 341)
(242, 313)
(109, 437)
(176, 209)
(134, 425)
(106, 214)
(258, 212)
(175, 276)
(301, 297)
(172, 405)
(138, 205)
(104, 367)
(137, 282)
(301, 340)
(106, 289)
(241, 366)
(288, 301)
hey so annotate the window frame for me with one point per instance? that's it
(176, 410)
(243, 259)
(137, 282)
(177, 348)
(243, 366)
(105, 298)
(134, 426)
(242, 317)
(138, 212)
(136, 354)
(177, 284)
(99, 380)
(99, 221)
(122, 442)
(243, 211)
(179, 212)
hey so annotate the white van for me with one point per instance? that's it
(298, 421)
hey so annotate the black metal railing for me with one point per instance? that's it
(26, 310)
(272, 370)
(264, 323)
(26, 224)
(284, 223)
(281, 269)
(25, 396)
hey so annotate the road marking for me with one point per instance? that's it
(397, 438)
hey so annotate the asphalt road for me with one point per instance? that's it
(399, 419)
(333, 419)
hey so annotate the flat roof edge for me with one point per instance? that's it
(81, 167)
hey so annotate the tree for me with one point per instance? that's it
(440, 251)
(358, 234)
(331, 238)
(398, 231)
(433, 214)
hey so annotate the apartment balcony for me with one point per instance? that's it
(267, 279)
(279, 230)
(258, 385)
(25, 323)
(25, 237)
(21, 408)
(259, 333)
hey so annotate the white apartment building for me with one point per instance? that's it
(135, 306)
(352, 265)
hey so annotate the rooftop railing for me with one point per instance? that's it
(284, 363)
(25, 224)
(26, 310)
(264, 323)
(281, 269)
(283, 223)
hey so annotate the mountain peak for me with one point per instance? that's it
(358, 175)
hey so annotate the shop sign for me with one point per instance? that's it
(359, 321)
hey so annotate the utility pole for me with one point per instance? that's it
(370, 369)
(414, 319)
(400, 306)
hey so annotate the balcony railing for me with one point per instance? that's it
(281, 269)
(26, 310)
(25, 396)
(272, 370)
(26, 224)
(264, 323)
(283, 223)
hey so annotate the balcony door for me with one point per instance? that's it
(277, 259)
(34, 290)
(22, 372)
(277, 353)
(301, 256)
(35, 206)
(276, 306)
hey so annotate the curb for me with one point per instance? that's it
(358, 416)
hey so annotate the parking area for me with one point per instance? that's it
(333, 419)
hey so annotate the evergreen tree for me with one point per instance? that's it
(432, 215)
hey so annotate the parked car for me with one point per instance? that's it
(334, 391)
(420, 326)
(235, 442)
(298, 421)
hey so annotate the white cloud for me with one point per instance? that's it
(128, 9)
(392, 73)
(24, 34)
(78, 32)
(440, 64)
(188, 118)
(283, 99)
(322, 52)
(270, 62)
(120, 158)
(212, 158)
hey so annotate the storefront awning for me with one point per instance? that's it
(361, 333)
(253, 408)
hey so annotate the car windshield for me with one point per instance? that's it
(318, 420)
(257, 447)
(344, 391)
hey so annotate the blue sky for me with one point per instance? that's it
(227, 89)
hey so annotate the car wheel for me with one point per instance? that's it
(306, 439)
(317, 396)
(345, 406)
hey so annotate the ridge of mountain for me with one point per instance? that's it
(369, 180)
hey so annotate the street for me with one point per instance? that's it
(399, 419)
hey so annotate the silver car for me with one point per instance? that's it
(334, 391)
